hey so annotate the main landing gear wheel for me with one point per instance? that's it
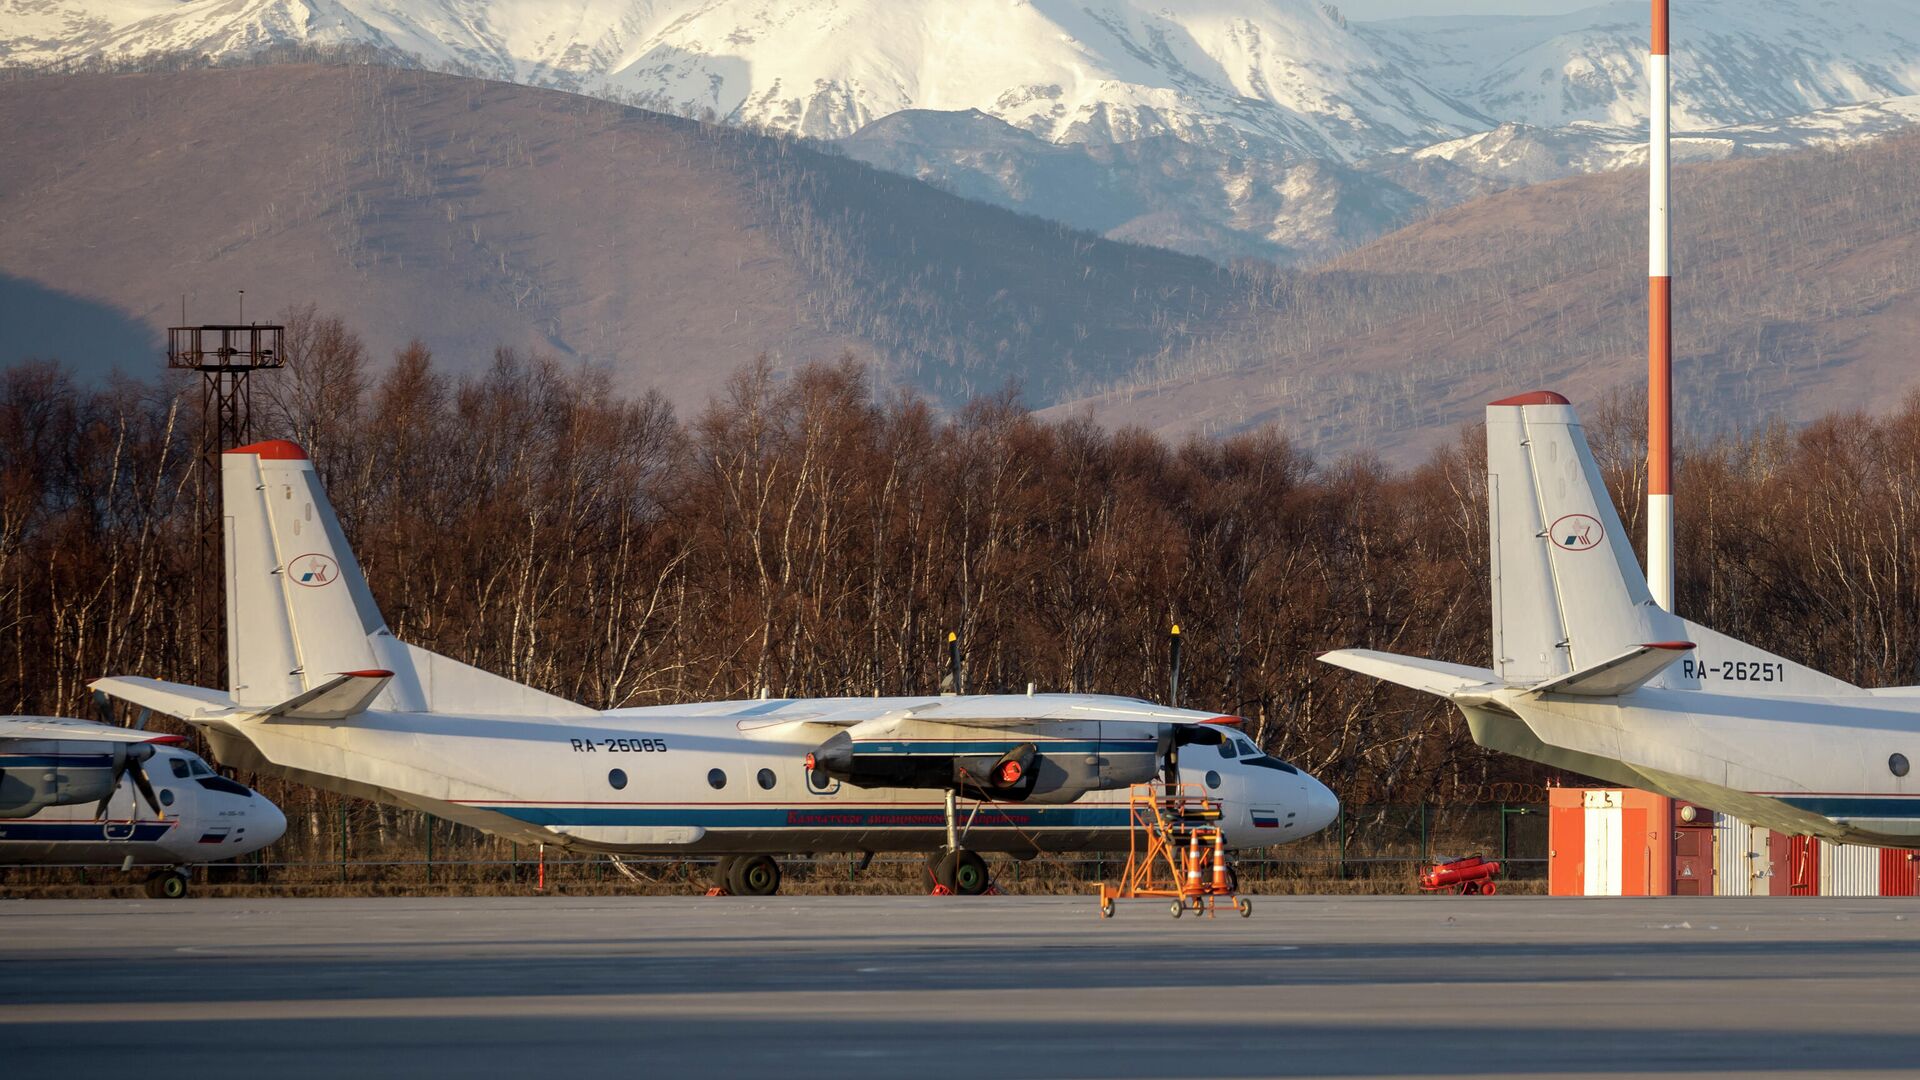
(723, 872)
(166, 885)
(970, 876)
(962, 872)
(753, 875)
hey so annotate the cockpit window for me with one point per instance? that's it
(1264, 762)
(179, 766)
(1229, 749)
(200, 767)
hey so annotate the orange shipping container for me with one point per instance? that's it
(1612, 842)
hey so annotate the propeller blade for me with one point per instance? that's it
(121, 759)
(1173, 673)
(146, 789)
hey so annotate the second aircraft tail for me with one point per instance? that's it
(1568, 592)
(300, 615)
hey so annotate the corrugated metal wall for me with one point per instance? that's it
(1849, 870)
(1733, 860)
(1741, 863)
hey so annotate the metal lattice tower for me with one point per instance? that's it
(226, 358)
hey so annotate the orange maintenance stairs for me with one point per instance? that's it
(1176, 852)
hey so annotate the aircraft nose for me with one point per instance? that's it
(267, 823)
(1323, 806)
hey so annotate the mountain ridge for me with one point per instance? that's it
(1268, 129)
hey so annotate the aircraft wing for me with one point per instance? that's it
(982, 711)
(59, 727)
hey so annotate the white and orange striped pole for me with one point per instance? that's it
(1659, 322)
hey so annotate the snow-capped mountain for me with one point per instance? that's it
(1222, 127)
(1523, 154)
(1734, 61)
(1277, 78)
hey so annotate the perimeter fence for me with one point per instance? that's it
(365, 848)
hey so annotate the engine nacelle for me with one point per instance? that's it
(1027, 772)
(36, 775)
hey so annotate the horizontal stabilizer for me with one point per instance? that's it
(169, 699)
(1621, 675)
(1457, 682)
(344, 695)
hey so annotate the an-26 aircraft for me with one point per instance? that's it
(322, 692)
(77, 792)
(1590, 675)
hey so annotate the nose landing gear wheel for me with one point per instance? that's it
(962, 872)
(753, 875)
(166, 885)
(969, 873)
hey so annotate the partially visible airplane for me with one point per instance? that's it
(68, 797)
(322, 692)
(1590, 675)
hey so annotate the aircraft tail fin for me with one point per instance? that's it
(1571, 610)
(1568, 592)
(300, 616)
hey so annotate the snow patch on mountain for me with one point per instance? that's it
(1521, 154)
(1734, 61)
(1276, 78)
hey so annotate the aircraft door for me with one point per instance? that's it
(122, 812)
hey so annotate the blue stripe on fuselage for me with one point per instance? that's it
(56, 831)
(1855, 806)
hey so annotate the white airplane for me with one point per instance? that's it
(322, 692)
(1590, 675)
(67, 797)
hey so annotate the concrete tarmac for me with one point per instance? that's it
(958, 987)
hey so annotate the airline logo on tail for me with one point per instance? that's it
(1576, 532)
(313, 571)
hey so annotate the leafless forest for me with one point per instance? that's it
(806, 535)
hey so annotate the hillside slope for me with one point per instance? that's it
(475, 214)
(1796, 292)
